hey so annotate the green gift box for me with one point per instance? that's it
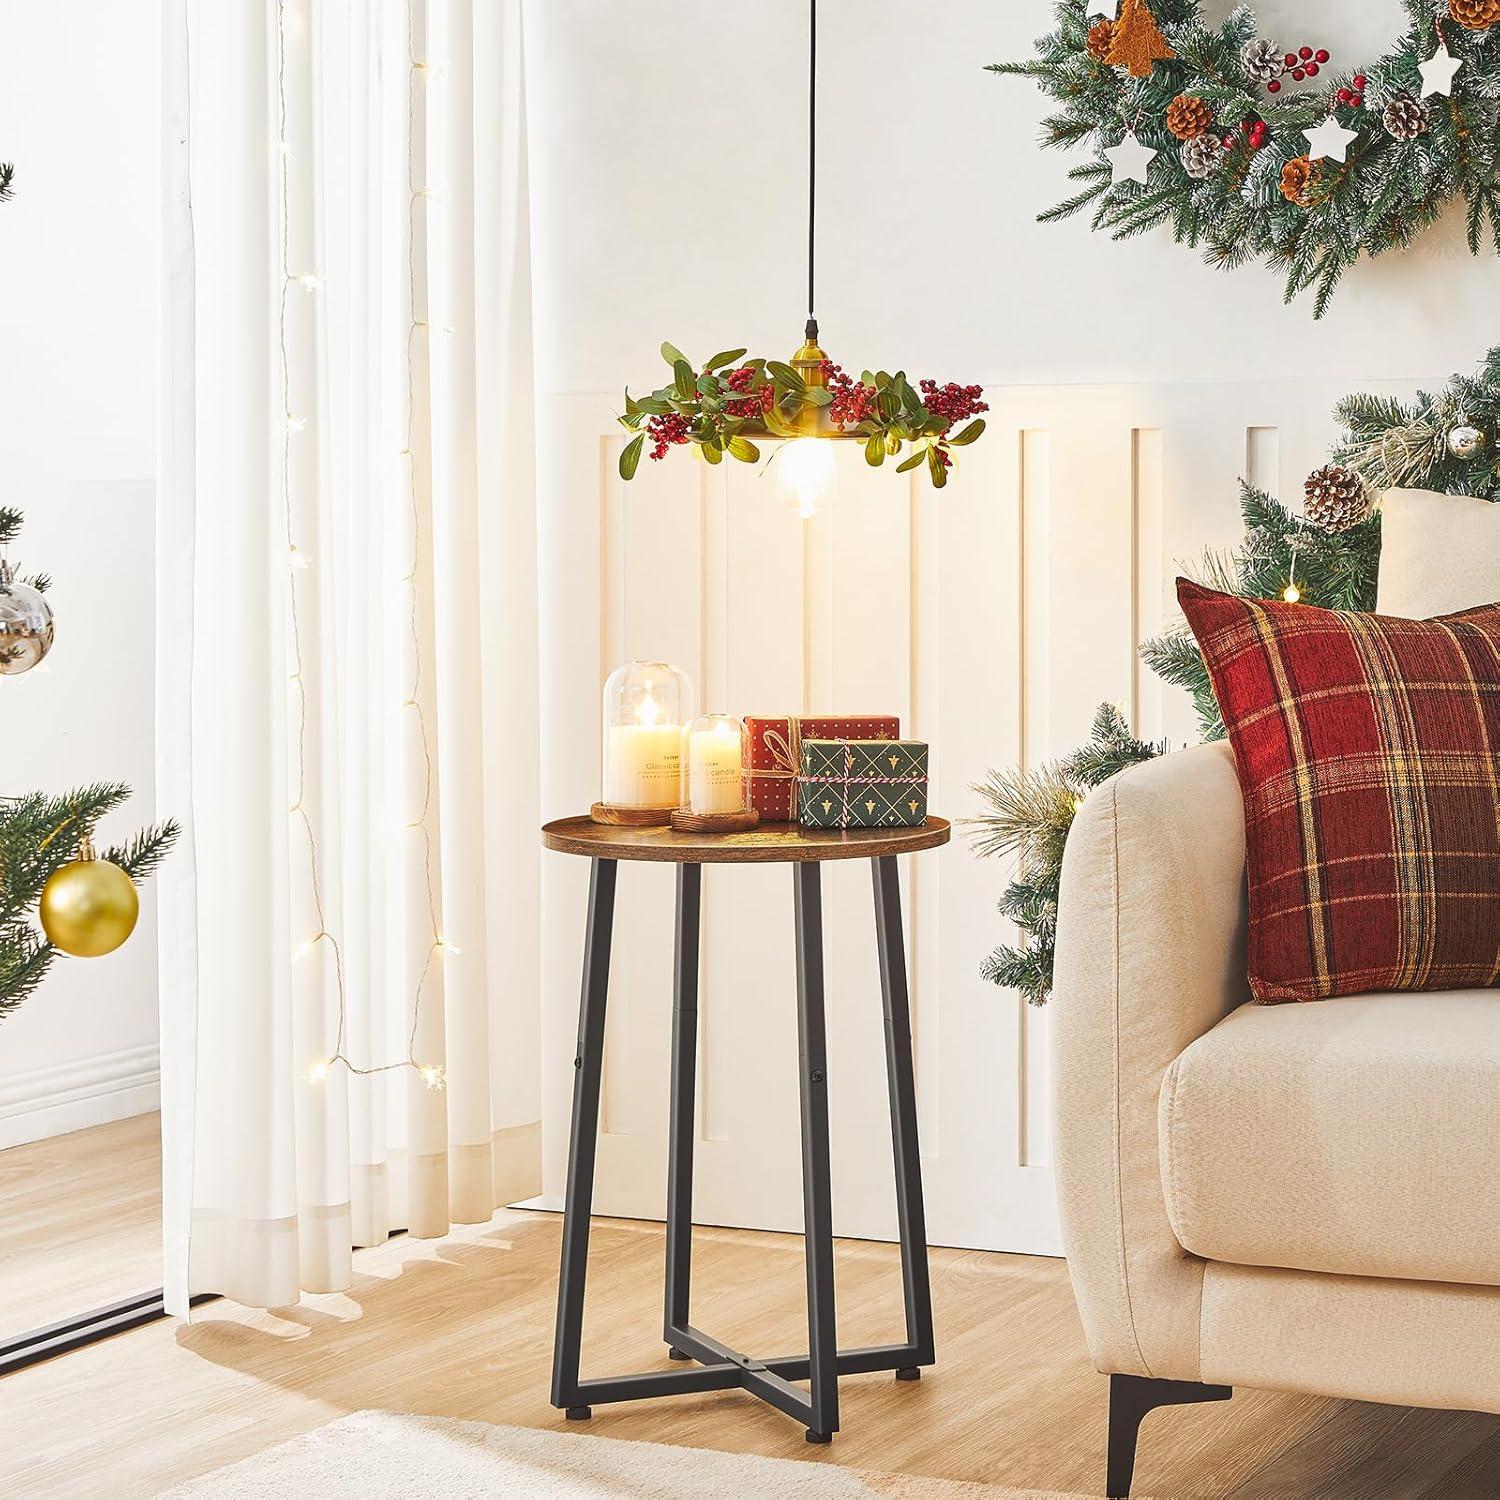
(862, 784)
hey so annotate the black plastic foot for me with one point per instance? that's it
(579, 1413)
(910, 1373)
(1131, 1399)
(819, 1437)
(677, 1354)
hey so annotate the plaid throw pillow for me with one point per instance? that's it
(1368, 751)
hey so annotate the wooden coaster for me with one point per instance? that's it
(630, 817)
(736, 822)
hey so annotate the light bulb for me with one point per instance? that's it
(318, 1072)
(805, 469)
(1291, 593)
(1077, 805)
(434, 1075)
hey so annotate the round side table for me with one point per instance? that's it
(719, 1366)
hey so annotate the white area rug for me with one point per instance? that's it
(380, 1455)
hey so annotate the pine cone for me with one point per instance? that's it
(1299, 177)
(1477, 15)
(1336, 498)
(1101, 34)
(1188, 118)
(1202, 156)
(1406, 118)
(1263, 61)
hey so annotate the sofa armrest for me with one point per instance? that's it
(1150, 955)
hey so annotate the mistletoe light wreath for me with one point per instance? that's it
(1252, 152)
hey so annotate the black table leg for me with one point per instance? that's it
(717, 1366)
(817, 1190)
(900, 1076)
(588, 1064)
(681, 1126)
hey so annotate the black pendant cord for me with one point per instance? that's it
(812, 164)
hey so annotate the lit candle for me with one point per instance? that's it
(714, 769)
(644, 763)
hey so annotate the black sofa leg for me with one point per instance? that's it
(1131, 1398)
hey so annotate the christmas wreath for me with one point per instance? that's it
(1329, 555)
(1255, 152)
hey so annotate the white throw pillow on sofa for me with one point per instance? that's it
(1438, 554)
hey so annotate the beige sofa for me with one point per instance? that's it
(1299, 1197)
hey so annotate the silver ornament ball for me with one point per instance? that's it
(1465, 442)
(25, 624)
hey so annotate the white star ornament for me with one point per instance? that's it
(1329, 139)
(1437, 72)
(1129, 160)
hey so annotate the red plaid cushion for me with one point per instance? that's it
(1368, 751)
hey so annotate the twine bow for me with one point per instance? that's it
(786, 762)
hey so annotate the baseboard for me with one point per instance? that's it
(72, 1096)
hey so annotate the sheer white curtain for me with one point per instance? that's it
(347, 697)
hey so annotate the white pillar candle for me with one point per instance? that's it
(644, 765)
(714, 770)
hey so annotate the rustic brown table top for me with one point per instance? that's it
(771, 843)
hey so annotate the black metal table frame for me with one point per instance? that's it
(723, 1368)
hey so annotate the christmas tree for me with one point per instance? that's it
(1329, 556)
(40, 833)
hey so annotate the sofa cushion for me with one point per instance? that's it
(1360, 1136)
(1438, 553)
(1366, 748)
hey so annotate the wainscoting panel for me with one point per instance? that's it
(994, 617)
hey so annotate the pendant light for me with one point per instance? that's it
(808, 402)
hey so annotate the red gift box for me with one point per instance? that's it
(773, 754)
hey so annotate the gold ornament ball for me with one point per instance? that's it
(88, 908)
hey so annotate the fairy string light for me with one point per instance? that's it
(433, 1074)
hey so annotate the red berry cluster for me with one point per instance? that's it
(952, 403)
(1254, 132)
(853, 401)
(756, 402)
(671, 427)
(1354, 98)
(1303, 63)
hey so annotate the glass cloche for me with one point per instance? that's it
(713, 782)
(646, 704)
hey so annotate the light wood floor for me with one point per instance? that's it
(80, 1222)
(463, 1326)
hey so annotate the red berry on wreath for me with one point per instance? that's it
(1360, 81)
(1359, 101)
(1299, 74)
(1321, 55)
(1304, 53)
(1291, 59)
(1274, 86)
(1312, 70)
(1345, 96)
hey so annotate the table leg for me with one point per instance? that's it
(899, 1075)
(817, 1191)
(681, 1127)
(588, 1064)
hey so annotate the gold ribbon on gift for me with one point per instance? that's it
(786, 762)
